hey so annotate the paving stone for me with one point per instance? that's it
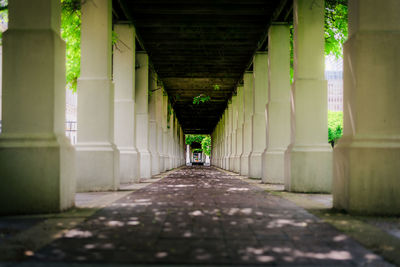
(204, 216)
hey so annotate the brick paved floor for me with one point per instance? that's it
(200, 215)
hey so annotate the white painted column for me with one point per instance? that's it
(171, 140)
(239, 131)
(165, 130)
(188, 163)
(308, 163)
(142, 113)
(36, 159)
(182, 146)
(97, 158)
(223, 139)
(124, 104)
(159, 119)
(278, 106)
(234, 129)
(367, 157)
(177, 152)
(260, 76)
(248, 122)
(153, 137)
(229, 139)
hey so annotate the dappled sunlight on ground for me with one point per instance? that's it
(201, 215)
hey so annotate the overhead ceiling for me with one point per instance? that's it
(201, 47)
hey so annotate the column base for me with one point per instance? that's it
(226, 163)
(232, 163)
(255, 165)
(129, 165)
(366, 176)
(273, 166)
(97, 167)
(162, 163)
(37, 174)
(308, 169)
(155, 163)
(244, 165)
(145, 164)
(236, 163)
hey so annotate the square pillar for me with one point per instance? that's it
(367, 157)
(229, 136)
(164, 112)
(239, 130)
(234, 129)
(260, 76)
(36, 158)
(175, 143)
(248, 93)
(97, 158)
(308, 159)
(142, 113)
(182, 146)
(153, 137)
(124, 104)
(278, 106)
(165, 131)
(222, 141)
(171, 139)
(159, 119)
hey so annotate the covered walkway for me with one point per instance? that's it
(201, 215)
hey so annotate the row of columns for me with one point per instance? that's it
(277, 131)
(127, 129)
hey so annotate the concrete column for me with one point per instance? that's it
(234, 129)
(367, 157)
(225, 139)
(217, 144)
(182, 146)
(36, 159)
(124, 104)
(278, 106)
(165, 130)
(308, 160)
(260, 76)
(188, 163)
(142, 113)
(97, 158)
(153, 137)
(171, 140)
(175, 143)
(159, 119)
(222, 140)
(248, 122)
(177, 135)
(239, 131)
(229, 140)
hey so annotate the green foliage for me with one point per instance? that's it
(190, 138)
(204, 140)
(216, 87)
(335, 26)
(206, 145)
(335, 126)
(114, 38)
(202, 98)
(71, 33)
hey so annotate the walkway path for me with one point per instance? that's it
(200, 215)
